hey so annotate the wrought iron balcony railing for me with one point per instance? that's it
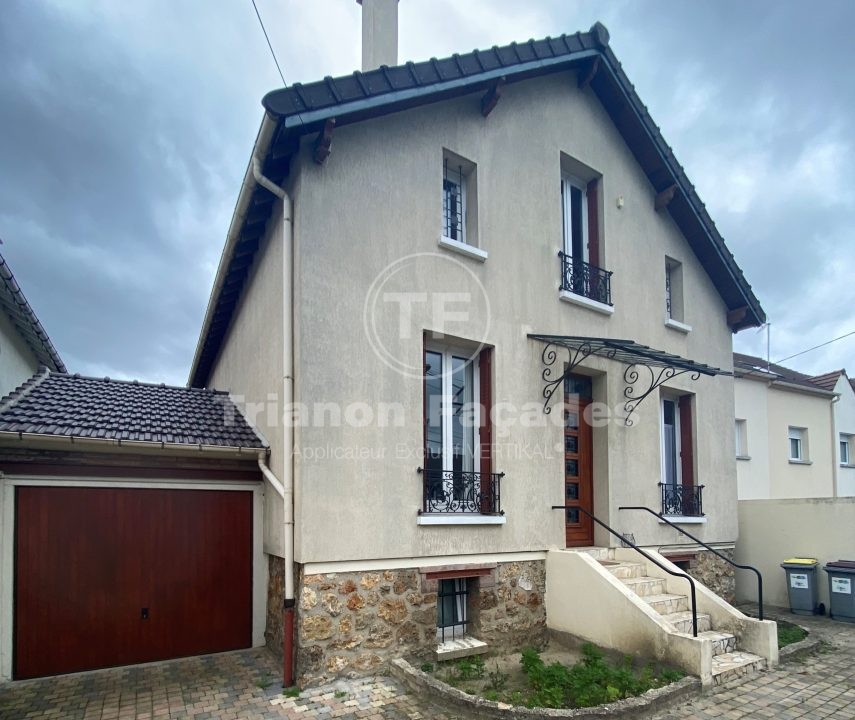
(456, 491)
(581, 278)
(684, 500)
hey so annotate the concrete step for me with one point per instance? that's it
(722, 642)
(624, 570)
(682, 621)
(666, 604)
(645, 586)
(596, 552)
(728, 667)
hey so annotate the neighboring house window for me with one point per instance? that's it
(680, 495)
(845, 446)
(459, 200)
(582, 273)
(741, 439)
(457, 442)
(673, 290)
(798, 444)
(451, 602)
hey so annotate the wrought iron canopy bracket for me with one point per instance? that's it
(658, 366)
(635, 390)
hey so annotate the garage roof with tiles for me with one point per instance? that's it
(58, 404)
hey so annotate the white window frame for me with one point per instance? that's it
(461, 184)
(798, 434)
(845, 441)
(741, 438)
(568, 181)
(677, 441)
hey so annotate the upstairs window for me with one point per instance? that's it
(459, 201)
(673, 290)
(741, 439)
(797, 438)
(845, 446)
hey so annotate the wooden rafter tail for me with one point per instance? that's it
(736, 316)
(664, 198)
(586, 77)
(492, 96)
(324, 142)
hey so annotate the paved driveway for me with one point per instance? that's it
(246, 685)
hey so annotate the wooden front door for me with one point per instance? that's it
(117, 576)
(578, 463)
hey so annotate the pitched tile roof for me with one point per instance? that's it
(58, 404)
(828, 381)
(15, 305)
(751, 364)
(302, 110)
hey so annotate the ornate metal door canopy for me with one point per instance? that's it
(660, 366)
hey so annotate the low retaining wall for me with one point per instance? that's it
(458, 701)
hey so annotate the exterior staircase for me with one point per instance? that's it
(615, 598)
(728, 662)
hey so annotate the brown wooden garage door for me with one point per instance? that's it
(115, 576)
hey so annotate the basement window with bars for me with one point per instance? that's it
(451, 610)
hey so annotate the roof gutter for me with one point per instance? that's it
(102, 444)
(259, 152)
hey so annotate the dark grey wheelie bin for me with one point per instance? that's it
(802, 585)
(841, 590)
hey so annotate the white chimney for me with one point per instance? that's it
(379, 33)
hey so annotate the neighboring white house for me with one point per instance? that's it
(792, 433)
(843, 432)
(476, 288)
(24, 344)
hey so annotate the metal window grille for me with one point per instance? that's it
(453, 203)
(451, 611)
(668, 290)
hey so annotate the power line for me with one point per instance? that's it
(815, 347)
(261, 22)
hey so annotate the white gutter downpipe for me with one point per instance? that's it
(286, 487)
(268, 473)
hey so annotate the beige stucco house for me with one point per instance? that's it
(796, 497)
(454, 295)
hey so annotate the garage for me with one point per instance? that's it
(130, 526)
(113, 576)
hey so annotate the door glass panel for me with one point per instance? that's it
(572, 516)
(579, 385)
(571, 444)
(433, 410)
(572, 420)
(572, 491)
(669, 440)
(572, 468)
(462, 430)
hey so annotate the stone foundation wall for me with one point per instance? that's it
(273, 629)
(715, 573)
(352, 624)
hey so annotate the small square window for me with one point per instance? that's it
(797, 438)
(845, 449)
(451, 610)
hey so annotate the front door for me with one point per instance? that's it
(578, 465)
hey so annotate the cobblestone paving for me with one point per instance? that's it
(245, 685)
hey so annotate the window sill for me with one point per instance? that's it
(678, 326)
(685, 520)
(743, 457)
(800, 462)
(584, 302)
(847, 465)
(469, 251)
(460, 519)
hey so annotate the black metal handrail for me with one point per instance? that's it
(461, 491)
(710, 548)
(581, 278)
(686, 500)
(641, 552)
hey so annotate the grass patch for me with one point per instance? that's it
(591, 681)
(789, 633)
(291, 692)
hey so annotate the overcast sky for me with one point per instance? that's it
(126, 127)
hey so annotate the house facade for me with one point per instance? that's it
(795, 497)
(455, 296)
(24, 343)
